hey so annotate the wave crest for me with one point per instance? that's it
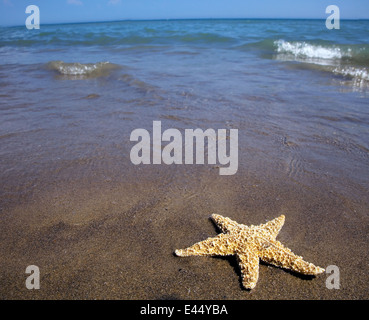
(82, 70)
(349, 62)
(306, 50)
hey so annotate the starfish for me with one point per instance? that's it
(249, 244)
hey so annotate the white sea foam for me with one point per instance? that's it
(306, 50)
(332, 59)
(81, 69)
(358, 78)
(356, 73)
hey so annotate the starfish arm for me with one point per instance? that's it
(274, 226)
(223, 223)
(249, 265)
(217, 246)
(283, 257)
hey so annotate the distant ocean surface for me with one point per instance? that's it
(68, 91)
(342, 52)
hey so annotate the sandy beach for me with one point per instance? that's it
(115, 239)
(97, 226)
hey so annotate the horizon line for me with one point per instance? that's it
(180, 19)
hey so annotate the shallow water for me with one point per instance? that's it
(70, 95)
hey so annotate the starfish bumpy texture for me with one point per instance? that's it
(249, 243)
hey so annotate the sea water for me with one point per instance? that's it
(73, 93)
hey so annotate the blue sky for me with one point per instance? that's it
(12, 12)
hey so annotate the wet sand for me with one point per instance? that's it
(110, 233)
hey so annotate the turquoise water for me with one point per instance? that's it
(71, 91)
(301, 40)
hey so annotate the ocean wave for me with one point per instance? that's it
(303, 49)
(323, 53)
(352, 72)
(349, 62)
(356, 77)
(82, 70)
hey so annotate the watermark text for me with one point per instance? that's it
(172, 153)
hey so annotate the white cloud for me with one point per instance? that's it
(75, 2)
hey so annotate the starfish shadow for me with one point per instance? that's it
(291, 272)
(232, 260)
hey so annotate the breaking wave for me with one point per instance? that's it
(350, 62)
(82, 70)
(353, 72)
(311, 51)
